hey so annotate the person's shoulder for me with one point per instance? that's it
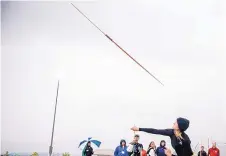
(185, 134)
(139, 145)
(185, 137)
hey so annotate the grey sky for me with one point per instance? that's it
(102, 92)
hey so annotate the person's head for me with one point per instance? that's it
(152, 144)
(214, 144)
(202, 148)
(122, 143)
(163, 143)
(89, 143)
(136, 138)
(181, 124)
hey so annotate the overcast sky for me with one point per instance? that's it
(102, 92)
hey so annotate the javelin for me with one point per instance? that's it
(117, 44)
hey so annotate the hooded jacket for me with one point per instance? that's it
(181, 146)
(160, 151)
(88, 151)
(120, 150)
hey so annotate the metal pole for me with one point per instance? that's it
(54, 118)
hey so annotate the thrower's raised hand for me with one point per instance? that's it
(134, 128)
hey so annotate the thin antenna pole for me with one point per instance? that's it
(54, 119)
(196, 146)
(117, 45)
(134, 131)
(208, 143)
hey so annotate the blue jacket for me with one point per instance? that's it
(120, 151)
(160, 151)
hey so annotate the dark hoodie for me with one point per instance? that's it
(160, 151)
(181, 146)
(89, 150)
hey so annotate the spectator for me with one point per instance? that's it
(143, 153)
(151, 149)
(160, 151)
(214, 151)
(88, 149)
(135, 147)
(121, 150)
(202, 152)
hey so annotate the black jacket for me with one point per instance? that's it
(136, 149)
(88, 151)
(203, 153)
(181, 146)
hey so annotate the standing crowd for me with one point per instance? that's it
(136, 149)
(180, 142)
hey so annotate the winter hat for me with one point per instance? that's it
(183, 124)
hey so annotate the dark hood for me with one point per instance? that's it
(88, 143)
(161, 143)
(122, 142)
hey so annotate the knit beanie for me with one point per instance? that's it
(183, 124)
